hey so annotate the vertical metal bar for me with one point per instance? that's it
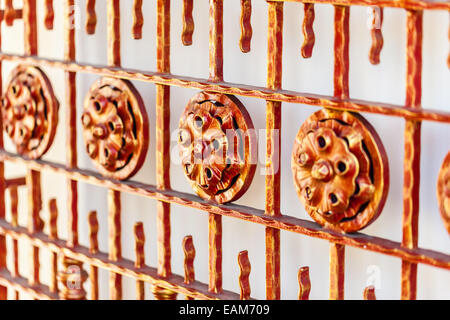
(216, 74)
(33, 177)
(163, 147)
(216, 40)
(93, 248)
(15, 223)
(139, 237)
(163, 136)
(341, 51)
(337, 271)
(273, 148)
(114, 56)
(138, 19)
(114, 204)
(304, 283)
(215, 253)
(411, 168)
(71, 132)
(53, 224)
(115, 248)
(3, 290)
(341, 91)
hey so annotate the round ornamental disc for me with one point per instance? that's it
(340, 170)
(115, 128)
(443, 192)
(218, 147)
(30, 111)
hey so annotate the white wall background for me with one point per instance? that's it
(378, 83)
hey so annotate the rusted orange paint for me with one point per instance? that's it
(166, 285)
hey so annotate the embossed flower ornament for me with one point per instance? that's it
(340, 170)
(217, 147)
(115, 128)
(30, 111)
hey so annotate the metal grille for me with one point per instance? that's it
(165, 284)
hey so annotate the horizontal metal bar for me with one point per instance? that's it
(17, 14)
(254, 215)
(15, 182)
(405, 4)
(354, 105)
(20, 284)
(196, 290)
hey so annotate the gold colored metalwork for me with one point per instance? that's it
(369, 164)
(30, 111)
(340, 170)
(115, 128)
(217, 147)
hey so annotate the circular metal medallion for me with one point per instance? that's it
(340, 170)
(30, 111)
(218, 147)
(115, 128)
(443, 192)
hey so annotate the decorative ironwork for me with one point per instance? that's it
(246, 26)
(217, 146)
(308, 30)
(165, 284)
(340, 170)
(115, 128)
(188, 22)
(304, 283)
(443, 192)
(30, 111)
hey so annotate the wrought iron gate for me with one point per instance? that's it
(339, 163)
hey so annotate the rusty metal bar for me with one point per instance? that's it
(15, 183)
(300, 98)
(342, 91)
(39, 291)
(93, 248)
(33, 177)
(125, 267)
(273, 148)
(53, 226)
(215, 75)
(163, 149)
(14, 197)
(114, 203)
(407, 4)
(284, 222)
(411, 184)
(71, 121)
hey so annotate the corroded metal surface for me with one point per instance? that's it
(245, 269)
(188, 22)
(377, 35)
(411, 166)
(30, 111)
(246, 26)
(308, 31)
(358, 194)
(340, 170)
(304, 283)
(218, 147)
(115, 128)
